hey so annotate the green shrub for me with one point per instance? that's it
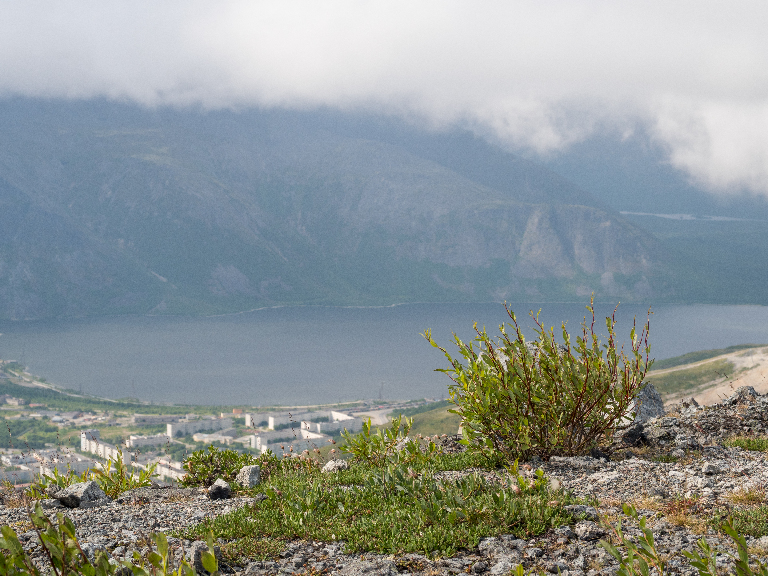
(388, 444)
(204, 467)
(65, 557)
(519, 399)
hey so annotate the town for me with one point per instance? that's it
(42, 439)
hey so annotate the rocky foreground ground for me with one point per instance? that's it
(674, 469)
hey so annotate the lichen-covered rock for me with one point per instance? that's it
(76, 494)
(249, 476)
(335, 465)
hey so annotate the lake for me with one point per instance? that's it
(302, 355)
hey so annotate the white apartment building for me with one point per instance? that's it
(338, 421)
(90, 441)
(153, 440)
(223, 436)
(192, 426)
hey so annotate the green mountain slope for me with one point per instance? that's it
(116, 209)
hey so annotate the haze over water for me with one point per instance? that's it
(318, 354)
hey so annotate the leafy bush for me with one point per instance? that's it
(519, 399)
(387, 444)
(65, 557)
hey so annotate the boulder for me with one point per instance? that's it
(220, 490)
(249, 476)
(79, 493)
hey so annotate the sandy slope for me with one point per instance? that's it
(750, 369)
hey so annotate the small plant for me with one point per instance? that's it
(752, 521)
(641, 556)
(115, 478)
(520, 399)
(47, 484)
(65, 557)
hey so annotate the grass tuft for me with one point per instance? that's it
(752, 443)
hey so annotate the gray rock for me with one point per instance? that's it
(90, 549)
(743, 395)
(579, 563)
(76, 494)
(534, 553)
(588, 512)
(51, 503)
(708, 468)
(577, 462)
(378, 567)
(220, 490)
(249, 476)
(565, 532)
(94, 503)
(588, 530)
(503, 566)
(648, 404)
(479, 567)
(685, 441)
(335, 465)
(557, 567)
(686, 406)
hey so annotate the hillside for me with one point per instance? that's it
(712, 375)
(107, 209)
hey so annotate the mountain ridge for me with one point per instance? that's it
(171, 211)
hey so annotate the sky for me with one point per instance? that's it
(535, 76)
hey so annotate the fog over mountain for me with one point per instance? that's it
(112, 208)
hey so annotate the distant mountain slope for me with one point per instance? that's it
(114, 209)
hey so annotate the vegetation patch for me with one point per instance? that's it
(691, 378)
(752, 443)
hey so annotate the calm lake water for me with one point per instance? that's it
(317, 354)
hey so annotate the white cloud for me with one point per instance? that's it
(536, 74)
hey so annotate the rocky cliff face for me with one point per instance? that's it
(112, 209)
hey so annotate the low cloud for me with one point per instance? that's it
(535, 75)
